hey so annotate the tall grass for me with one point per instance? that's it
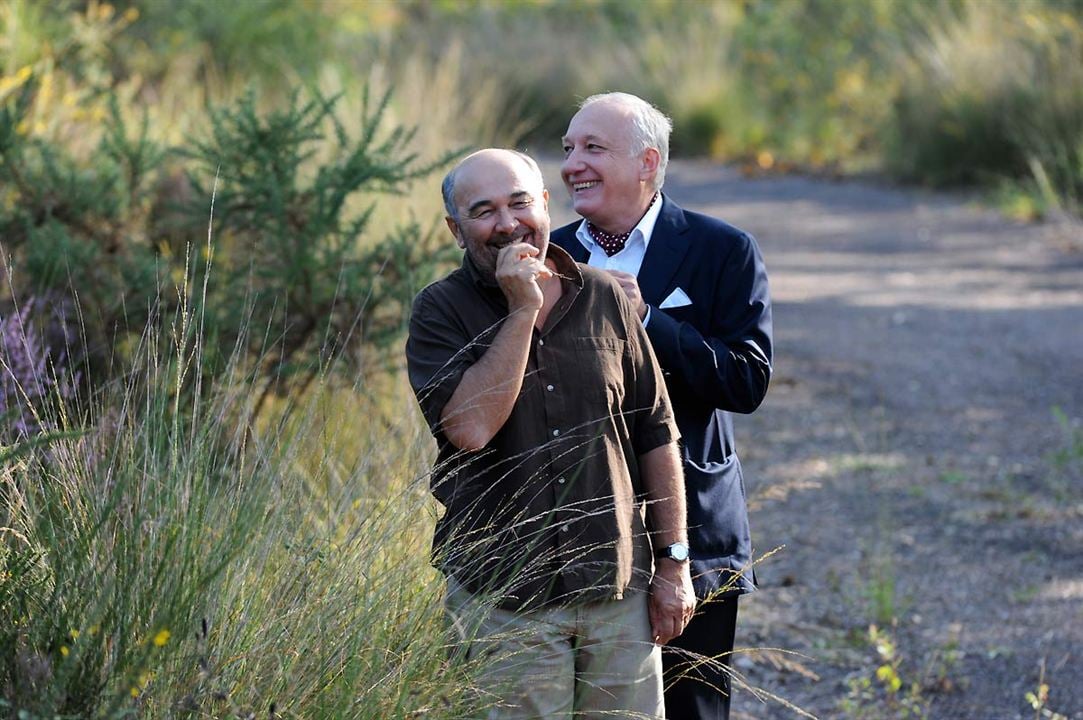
(995, 92)
(167, 553)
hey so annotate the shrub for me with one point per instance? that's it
(294, 251)
(291, 239)
(957, 121)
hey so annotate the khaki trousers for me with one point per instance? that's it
(595, 660)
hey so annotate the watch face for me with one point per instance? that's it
(678, 551)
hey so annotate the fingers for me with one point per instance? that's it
(518, 270)
(515, 253)
(672, 604)
(630, 285)
(668, 620)
(666, 629)
(521, 258)
(664, 632)
(627, 281)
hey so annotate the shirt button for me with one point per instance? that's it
(540, 341)
(550, 388)
(564, 528)
(555, 433)
(560, 480)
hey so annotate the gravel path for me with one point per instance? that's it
(909, 460)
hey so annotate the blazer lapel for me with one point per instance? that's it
(575, 248)
(667, 249)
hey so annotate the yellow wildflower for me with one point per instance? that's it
(887, 675)
(64, 650)
(9, 83)
(162, 638)
(74, 634)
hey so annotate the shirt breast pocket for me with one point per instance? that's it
(600, 368)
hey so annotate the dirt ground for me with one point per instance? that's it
(918, 462)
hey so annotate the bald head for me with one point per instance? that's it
(494, 199)
(646, 125)
(479, 161)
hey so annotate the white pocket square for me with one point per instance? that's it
(677, 298)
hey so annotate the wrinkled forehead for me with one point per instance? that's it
(606, 121)
(495, 178)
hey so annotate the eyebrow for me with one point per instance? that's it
(517, 195)
(586, 138)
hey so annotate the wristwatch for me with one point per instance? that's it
(677, 551)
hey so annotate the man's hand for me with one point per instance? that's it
(630, 286)
(518, 270)
(672, 600)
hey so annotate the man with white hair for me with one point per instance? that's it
(558, 464)
(699, 286)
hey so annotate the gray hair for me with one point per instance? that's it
(650, 127)
(447, 187)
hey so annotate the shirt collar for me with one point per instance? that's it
(644, 228)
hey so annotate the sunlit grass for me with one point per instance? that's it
(180, 554)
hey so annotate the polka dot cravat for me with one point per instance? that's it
(613, 243)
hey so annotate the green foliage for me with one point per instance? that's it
(245, 39)
(292, 247)
(811, 73)
(73, 228)
(171, 561)
(886, 692)
(838, 84)
(1070, 455)
(1038, 699)
(956, 122)
(290, 240)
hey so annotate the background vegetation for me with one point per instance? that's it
(212, 496)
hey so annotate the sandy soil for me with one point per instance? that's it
(909, 461)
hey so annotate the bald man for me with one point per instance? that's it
(558, 465)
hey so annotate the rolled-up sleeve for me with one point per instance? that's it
(437, 355)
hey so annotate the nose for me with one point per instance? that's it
(571, 164)
(506, 220)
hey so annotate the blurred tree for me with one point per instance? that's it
(74, 231)
(298, 278)
(292, 276)
(256, 40)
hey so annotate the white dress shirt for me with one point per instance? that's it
(630, 258)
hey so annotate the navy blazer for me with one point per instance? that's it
(716, 357)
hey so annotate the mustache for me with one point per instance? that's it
(503, 240)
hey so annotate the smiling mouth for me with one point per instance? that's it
(584, 185)
(503, 242)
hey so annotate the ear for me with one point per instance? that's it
(545, 199)
(649, 164)
(454, 228)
